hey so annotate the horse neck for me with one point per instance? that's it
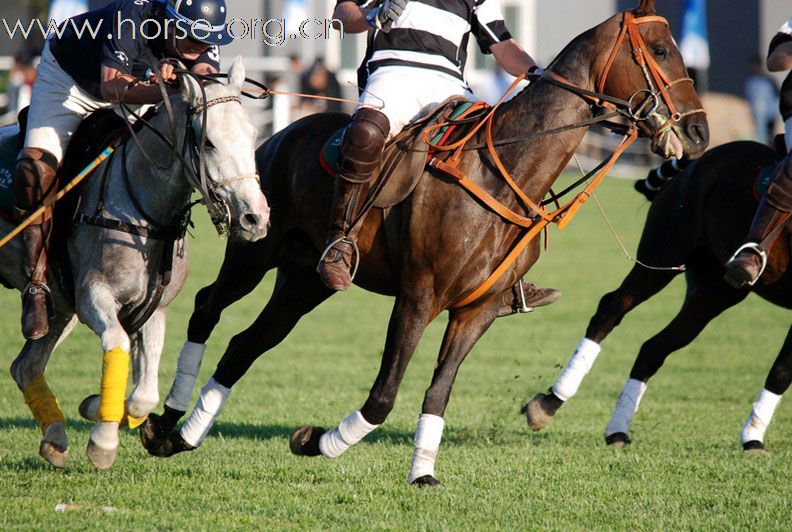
(162, 190)
(537, 162)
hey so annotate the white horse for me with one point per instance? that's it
(131, 230)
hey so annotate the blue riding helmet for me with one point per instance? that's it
(197, 13)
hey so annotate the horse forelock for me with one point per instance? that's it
(645, 7)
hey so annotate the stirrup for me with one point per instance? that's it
(33, 289)
(523, 308)
(752, 246)
(343, 240)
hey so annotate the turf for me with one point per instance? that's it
(685, 468)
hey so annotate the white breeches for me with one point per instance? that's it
(408, 93)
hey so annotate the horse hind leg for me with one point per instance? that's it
(408, 320)
(243, 268)
(463, 331)
(28, 372)
(777, 382)
(707, 297)
(639, 285)
(297, 292)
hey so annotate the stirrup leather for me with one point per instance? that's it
(754, 247)
(344, 240)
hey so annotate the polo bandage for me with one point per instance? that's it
(760, 417)
(427, 442)
(578, 367)
(187, 369)
(42, 403)
(626, 407)
(208, 407)
(351, 430)
(115, 370)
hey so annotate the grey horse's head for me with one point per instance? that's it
(230, 151)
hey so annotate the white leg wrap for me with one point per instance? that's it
(760, 417)
(427, 442)
(354, 428)
(578, 367)
(208, 407)
(626, 407)
(187, 369)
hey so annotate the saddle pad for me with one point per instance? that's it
(9, 150)
(330, 153)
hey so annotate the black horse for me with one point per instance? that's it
(698, 220)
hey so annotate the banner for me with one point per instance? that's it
(694, 44)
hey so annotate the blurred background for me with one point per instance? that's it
(724, 43)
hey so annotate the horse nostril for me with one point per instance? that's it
(697, 132)
(250, 220)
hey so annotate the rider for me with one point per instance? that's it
(78, 76)
(749, 261)
(415, 58)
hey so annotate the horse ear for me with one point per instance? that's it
(645, 7)
(190, 88)
(236, 74)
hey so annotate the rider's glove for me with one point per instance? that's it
(386, 14)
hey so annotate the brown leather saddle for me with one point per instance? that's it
(404, 157)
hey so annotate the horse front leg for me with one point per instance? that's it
(97, 308)
(777, 382)
(639, 285)
(28, 373)
(243, 268)
(464, 329)
(408, 320)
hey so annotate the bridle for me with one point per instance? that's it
(658, 88)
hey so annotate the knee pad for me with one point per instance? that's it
(362, 145)
(779, 192)
(34, 179)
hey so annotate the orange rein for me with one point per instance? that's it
(564, 214)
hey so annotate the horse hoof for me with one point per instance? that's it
(89, 407)
(618, 440)
(53, 453)
(754, 446)
(424, 481)
(153, 434)
(100, 458)
(305, 441)
(540, 410)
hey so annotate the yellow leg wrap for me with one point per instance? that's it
(42, 403)
(112, 391)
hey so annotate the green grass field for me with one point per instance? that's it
(685, 468)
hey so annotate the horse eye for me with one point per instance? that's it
(659, 51)
(209, 144)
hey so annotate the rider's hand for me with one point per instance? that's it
(167, 74)
(386, 14)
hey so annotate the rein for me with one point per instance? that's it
(658, 89)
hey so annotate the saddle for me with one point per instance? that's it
(405, 156)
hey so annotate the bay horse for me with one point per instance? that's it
(698, 221)
(131, 224)
(435, 248)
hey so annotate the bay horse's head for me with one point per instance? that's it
(645, 68)
(230, 183)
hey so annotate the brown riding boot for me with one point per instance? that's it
(361, 147)
(525, 297)
(748, 263)
(34, 181)
(341, 255)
